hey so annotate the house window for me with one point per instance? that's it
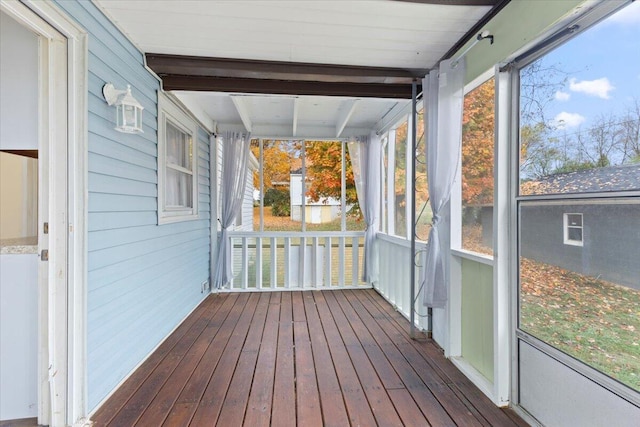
(573, 229)
(177, 163)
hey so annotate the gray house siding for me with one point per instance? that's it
(611, 240)
(143, 278)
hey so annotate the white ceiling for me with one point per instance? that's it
(378, 33)
(270, 116)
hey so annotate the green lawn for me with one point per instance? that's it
(595, 321)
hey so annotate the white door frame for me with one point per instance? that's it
(62, 280)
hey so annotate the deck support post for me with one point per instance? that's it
(412, 271)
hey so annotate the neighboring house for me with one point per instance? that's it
(324, 210)
(576, 235)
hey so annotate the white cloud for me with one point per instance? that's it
(562, 96)
(599, 87)
(568, 120)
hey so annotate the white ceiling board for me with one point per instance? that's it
(365, 33)
(275, 115)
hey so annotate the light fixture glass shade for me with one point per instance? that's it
(128, 109)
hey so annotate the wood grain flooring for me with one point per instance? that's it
(315, 358)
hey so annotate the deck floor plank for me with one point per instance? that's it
(156, 413)
(289, 358)
(479, 404)
(191, 394)
(261, 395)
(309, 412)
(210, 404)
(142, 398)
(283, 413)
(237, 396)
(379, 401)
(333, 408)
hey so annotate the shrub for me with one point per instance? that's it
(279, 200)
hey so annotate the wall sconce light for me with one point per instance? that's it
(128, 109)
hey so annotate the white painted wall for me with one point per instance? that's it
(18, 331)
(18, 85)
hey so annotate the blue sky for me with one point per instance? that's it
(604, 67)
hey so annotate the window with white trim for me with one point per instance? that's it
(573, 229)
(177, 163)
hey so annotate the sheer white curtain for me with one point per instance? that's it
(444, 92)
(235, 155)
(365, 152)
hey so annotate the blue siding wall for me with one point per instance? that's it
(142, 278)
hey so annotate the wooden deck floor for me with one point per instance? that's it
(333, 358)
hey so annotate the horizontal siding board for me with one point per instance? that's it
(110, 274)
(98, 144)
(102, 239)
(117, 254)
(114, 167)
(111, 220)
(120, 203)
(124, 307)
(116, 290)
(115, 185)
(113, 328)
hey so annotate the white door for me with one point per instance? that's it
(19, 141)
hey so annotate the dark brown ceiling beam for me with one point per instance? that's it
(455, 2)
(163, 64)
(286, 87)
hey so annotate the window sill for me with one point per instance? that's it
(170, 219)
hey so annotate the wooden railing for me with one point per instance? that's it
(296, 260)
(395, 262)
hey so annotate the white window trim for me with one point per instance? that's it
(169, 110)
(566, 227)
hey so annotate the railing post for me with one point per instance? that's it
(341, 261)
(355, 260)
(274, 263)
(327, 261)
(287, 257)
(245, 262)
(259, 262)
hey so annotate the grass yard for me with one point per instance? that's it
(592, 320)
(284, 223)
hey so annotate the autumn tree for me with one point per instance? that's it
(278, 157)
(477, 145)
